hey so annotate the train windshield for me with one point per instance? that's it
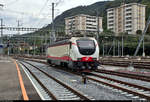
(86, 46)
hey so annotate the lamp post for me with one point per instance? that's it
(1, 27)
(113, 47)
(1, 40)
(122, 45)
(103, 50)
(104, 46)
(143, 48)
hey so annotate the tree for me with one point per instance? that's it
(139, 32)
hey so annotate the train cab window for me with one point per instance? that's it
(86, 46)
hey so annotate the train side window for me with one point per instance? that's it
(70, 45)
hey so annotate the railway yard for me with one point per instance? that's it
(87, 50)
(43, 81)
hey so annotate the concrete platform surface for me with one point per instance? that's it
(10, 88)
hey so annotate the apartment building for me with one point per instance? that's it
(83, 23)
(126, 18)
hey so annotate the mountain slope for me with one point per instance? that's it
(101, 6)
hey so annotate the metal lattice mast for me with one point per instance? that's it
(97, 37)
(142, 37)
(53, 30)
(1, 31)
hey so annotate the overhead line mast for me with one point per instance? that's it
(142, 37)
(1, 26)
(53, 29)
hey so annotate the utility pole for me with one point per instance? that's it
(42, 45)
(1, 40)
(8, 44)
(118, 48)
(18, 25)
(103, 50)
(113, 47)
(1, 31)
(53, 30)
(143, 48)
(122, 45)
(97, 27)
(142, 37)
(34, 45)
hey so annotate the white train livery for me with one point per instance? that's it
(79, 53)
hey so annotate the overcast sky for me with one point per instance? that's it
(36, 13)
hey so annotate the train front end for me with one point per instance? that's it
(85, 54)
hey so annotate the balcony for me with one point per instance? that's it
(128, 25)
(111, 18)
(110, 21)
(110, 14)
(91, 26)
(128, 29)
(110, 11)
(129, 17)
(110, 25)
(128, 8)
(128, 14)
(128, 11)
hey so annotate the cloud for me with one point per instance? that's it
(36, 13)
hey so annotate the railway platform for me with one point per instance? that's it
(14, 84)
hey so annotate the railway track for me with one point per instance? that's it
(122, 74)
(124, 63)
(55, 89)
(125, 74)
(131, 89)
(144, 64)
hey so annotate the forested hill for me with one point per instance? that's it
(101, 6)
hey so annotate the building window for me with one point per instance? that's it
(111, 14)
(129, 26)
(128, 30)
(128, 5)
(89, 24)
(128, 18)
(128, 14)
(111, 21)
(111, 29)
(111, 24)
(129, 22)
(94, 21)
(128, 9)
(91, 28)
(111, 10)
(111, 17)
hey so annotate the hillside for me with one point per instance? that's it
(130, 42)
(91, 10)
(101, 6)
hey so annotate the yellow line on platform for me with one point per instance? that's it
(24, 93)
